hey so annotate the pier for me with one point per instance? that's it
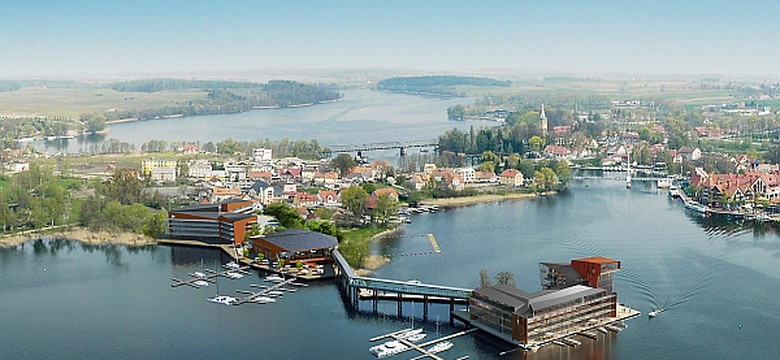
(256, 297)
(395, 290)
(421, 348)
(211, 274)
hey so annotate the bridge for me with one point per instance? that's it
(396, 290)
(384, 146)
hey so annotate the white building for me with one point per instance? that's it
(261, 154)
(164, 174)
(200, 169)
(468, 174)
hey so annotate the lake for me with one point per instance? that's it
(718, 279)
(363, 116)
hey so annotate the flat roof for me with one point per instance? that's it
(561, 296)
(597, 259)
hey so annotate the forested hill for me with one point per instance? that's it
(155, 85)
(436, 84)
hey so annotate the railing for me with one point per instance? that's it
(396, 286)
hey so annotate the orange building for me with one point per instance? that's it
(224, 222)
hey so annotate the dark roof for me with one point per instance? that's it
(259, 185)
(301, 240)
(237, 216)
(554, 297)
(524, 304)
(571, 275)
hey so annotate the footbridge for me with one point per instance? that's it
(356, 287)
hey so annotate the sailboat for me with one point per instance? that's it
(628, 170)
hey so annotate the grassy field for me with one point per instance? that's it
(71, 103)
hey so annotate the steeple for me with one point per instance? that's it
(542, 116)
(543, 121)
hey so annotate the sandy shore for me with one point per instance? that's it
(477, 199)
(84, 236)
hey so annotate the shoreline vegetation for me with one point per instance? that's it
(456, 202)
(82, 235)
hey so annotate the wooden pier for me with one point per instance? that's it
(209, 276)
(254, 297)
(434, 244)
(421, 348)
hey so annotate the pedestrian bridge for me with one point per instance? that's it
(396, 290)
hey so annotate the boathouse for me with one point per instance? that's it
(221, 223)
(293, 245)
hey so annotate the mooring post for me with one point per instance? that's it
(425, 307)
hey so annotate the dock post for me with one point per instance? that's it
(452, 308)
(376, 301)
(425, 307)
(400, 306)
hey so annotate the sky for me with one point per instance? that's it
(125, 38)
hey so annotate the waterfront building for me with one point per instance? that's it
(293, 245)
(575, 297)
(468, 174)
(224, 222)
(511, 177)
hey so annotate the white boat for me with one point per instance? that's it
(265, 299)
(199, 274)
(440, 347)
(275, 293)
(572, 342)
(602, 330)
(274, 278)
(232, 265)
(664, 183)
(409, 333)
(654, 313)
(559, 343)
(417, 337)
(233, 275)
(200, 283)
(222, 299)
(674, 191)
(387, 349)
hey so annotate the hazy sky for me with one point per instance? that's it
(112, 38)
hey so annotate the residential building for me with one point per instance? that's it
(468, 174)
(199, 169)
(511, 177)
(163, 174)
(262, 191)
(148, 165)
(262, 154)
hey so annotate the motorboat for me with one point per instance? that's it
(602, 330)
(275, 293)
(274, 278)
(200, 283)
(417, 337)
(559, 343)
(440, 347)
(572, 342)
(199, 274)
(409, 333)
(232, 265)
(233, 275)
(222, 299)
(264, 299)
(391, 348)
(664, 183)
(654, 313)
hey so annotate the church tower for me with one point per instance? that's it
(543, 122)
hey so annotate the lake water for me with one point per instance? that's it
(363, 116)
(719, 280)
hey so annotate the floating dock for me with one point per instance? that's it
(435, 244)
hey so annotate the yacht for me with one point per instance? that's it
(200, 283)
(274, 278)
(440, 347)
(601, 329)
(233, 275)
(409, 333)
(387, 349)
(199, 274)
(417, 337)
(232, 265)
(222, 299)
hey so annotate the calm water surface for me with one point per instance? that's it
(363, 116)
(70, 301)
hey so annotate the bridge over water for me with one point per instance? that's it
(402, 146)
(399, 291)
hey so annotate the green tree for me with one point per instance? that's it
(488, 166)
(285, 214)
(125, 186)
(527, 167)
(343, 163)
(563, 171)
(154, 225)
(354, 199)
(484, 278)
(322, 226)
(505, 278)
(536, 143)
(386, 207)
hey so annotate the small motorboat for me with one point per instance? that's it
(274, 278)
(654, 313)
(199, 274)
(232, 265)
(200, 283)
(440, 347)
(222, 299)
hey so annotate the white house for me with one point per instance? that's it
(468, 174)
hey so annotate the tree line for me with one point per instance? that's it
(436, 84)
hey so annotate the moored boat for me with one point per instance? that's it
(222, 299)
